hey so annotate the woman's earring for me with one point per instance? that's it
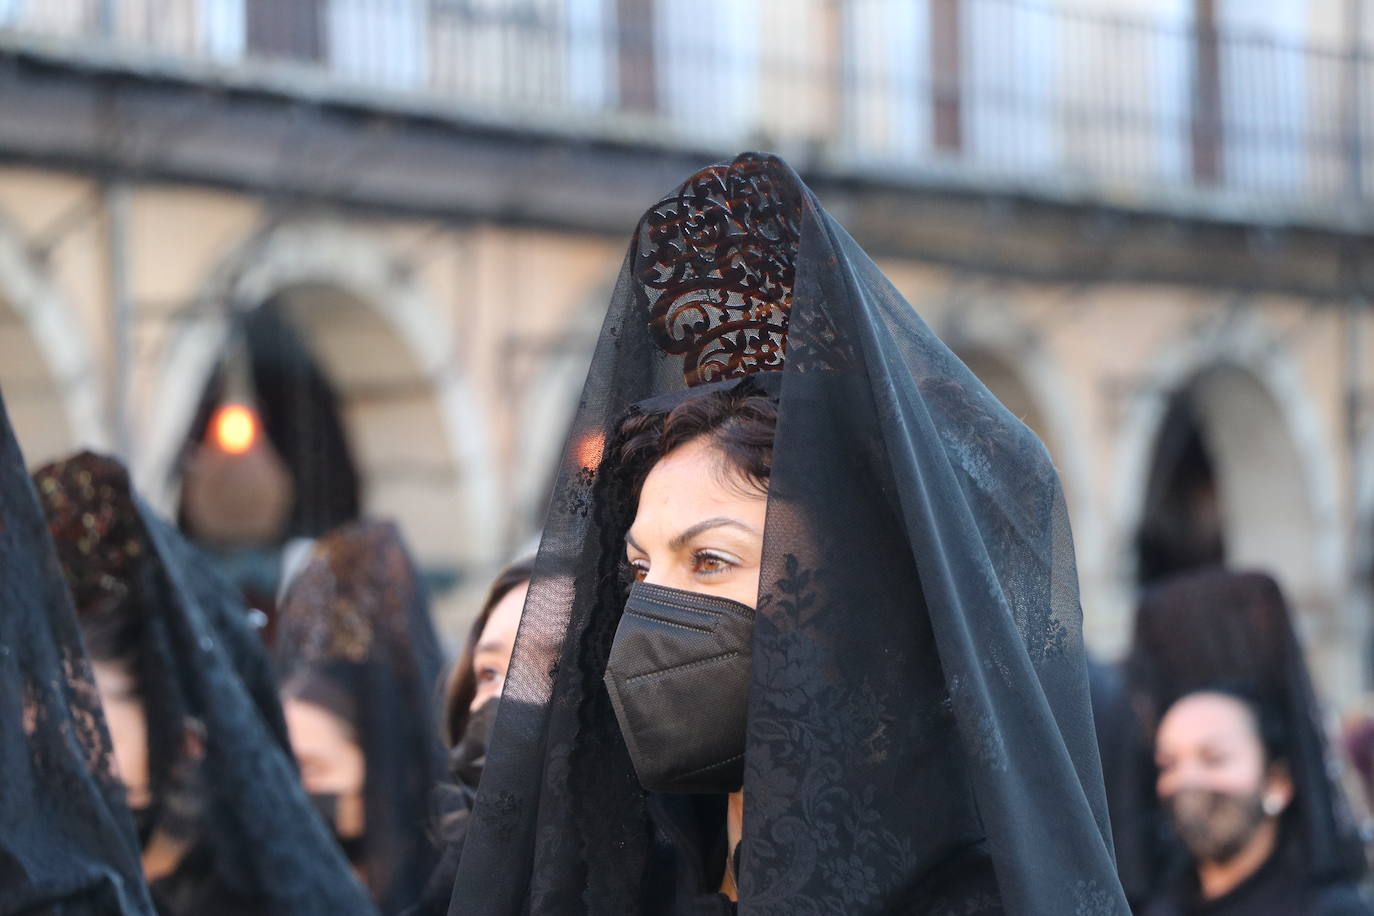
(1273, 805)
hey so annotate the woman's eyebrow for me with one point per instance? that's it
(681, 540)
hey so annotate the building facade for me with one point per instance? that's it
(1146, 225)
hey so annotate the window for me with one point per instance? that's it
(708, 67)
(379, 42)
(223, 28)
(1009, 93)
(1262, 75)
(888, 79)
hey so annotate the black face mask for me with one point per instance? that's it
(469, 755)
(327, 803)
(145, 822)
(1215, 826)
(678, 676)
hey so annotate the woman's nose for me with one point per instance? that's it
(1182, 776)
(667, 579)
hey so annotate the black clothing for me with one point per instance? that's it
(452, 808)
(354, 635)
(919, 737)
(67, 840)
(451, 805)
(1276, 889)
(198, 663)
(196, 888)
(689, 855)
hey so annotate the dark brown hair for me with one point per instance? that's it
(462, 683)
(739, 421)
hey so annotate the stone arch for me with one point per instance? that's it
(416, 429)
(48, 371)
(1278, 490)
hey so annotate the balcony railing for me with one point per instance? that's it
(1235, 107)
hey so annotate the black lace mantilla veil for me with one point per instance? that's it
(259, 845)
(67, 845)
(919, 734)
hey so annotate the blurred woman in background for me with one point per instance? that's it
(1226, 785)
(475, 684)
(198, 735)
(1216, 627)
(471, 699)
(359, 666)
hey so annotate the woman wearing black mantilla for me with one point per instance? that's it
(359, 664)
(1233, 803)
(224, 827)
(803, 634)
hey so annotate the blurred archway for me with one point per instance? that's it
(289, 471)
(33, 396)
(350, 424)
(384, 351)
(48, 374)
(1227, 484)
(1181, 526)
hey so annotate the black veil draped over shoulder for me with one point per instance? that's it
(258, 845)
(1240, 635)
(67, 844)
(919, 732)
(355, 624)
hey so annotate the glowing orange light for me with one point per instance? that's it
(588, 449)
(235, 428)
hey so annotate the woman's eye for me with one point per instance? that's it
(637, 569)
(710, 563)
(487, 675)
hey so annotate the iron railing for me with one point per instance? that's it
(982, 90)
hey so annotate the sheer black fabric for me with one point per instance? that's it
(1239, 633)
(919, 734)
(67, 845)
(255, 844)
(357, 619)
